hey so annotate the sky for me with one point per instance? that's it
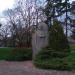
(71, 0)
(5, 4)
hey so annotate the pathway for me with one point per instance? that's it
(27, 68)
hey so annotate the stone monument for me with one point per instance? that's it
(39, 38)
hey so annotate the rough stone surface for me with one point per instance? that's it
(39, 38)
(27, 68)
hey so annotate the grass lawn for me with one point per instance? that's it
(4, 52)
(15, 54)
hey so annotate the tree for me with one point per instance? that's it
(66, 11)
(21, 18)
(56, 8)
(57, 40)
(72, 12)
(4, 34)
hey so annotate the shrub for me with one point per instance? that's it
(53, 63)
(20, 54)
(47, 53)
(48, 59)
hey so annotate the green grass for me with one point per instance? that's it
(4, 52)
(20, 54)
(15, 54)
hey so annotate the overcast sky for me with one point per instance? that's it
(5, 4)
(71, 0)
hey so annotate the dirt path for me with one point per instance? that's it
(27, 68)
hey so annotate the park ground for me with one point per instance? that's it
(27, 68)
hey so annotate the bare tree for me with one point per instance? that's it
(19, 31)
(4, 34)
(21, 18)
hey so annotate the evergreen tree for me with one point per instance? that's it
(57, 39)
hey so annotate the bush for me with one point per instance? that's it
(47, 53)
(20, 54)
(53, 63)
(48, 59)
